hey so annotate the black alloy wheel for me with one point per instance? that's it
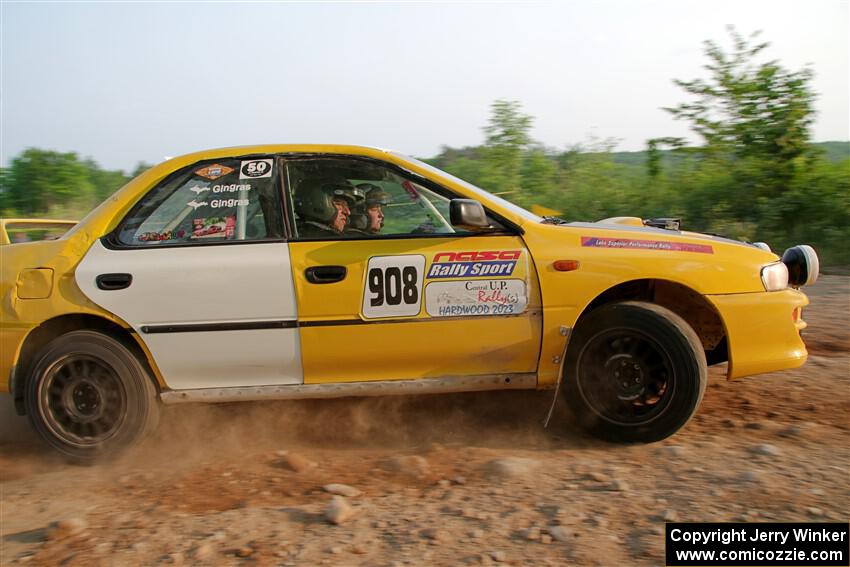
(89, 397)
(635, 372)
(82, 400)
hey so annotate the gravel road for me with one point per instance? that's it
(468, 479)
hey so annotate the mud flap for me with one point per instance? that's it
(565, 332)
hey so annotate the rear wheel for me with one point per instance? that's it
(89, 397)
(635, 372)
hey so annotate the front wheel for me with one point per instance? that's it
(89, 397)
(635, 372)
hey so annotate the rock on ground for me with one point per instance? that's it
(339, 511)
(512, 467)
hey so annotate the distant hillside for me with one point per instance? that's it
(834, 152)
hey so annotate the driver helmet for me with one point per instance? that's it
(314, 199)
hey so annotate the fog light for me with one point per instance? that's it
(803, 265)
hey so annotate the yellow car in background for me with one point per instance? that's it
(312, 271)
(26, 230)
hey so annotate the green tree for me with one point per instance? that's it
(104, 182)
(538, 173)
(41, 180)
(5, 199)
(507, 138)
(755, 114)
(653, 153)
(141, 167)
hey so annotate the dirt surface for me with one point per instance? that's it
(442, 480)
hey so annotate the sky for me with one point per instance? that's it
(124, 82)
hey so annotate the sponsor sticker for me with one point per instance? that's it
(160, 236)
(214, 227)
(198, 189)
(227, 203)
(633, 244)
(475, 298)
(214, 171)
(218, 203)
(255, 169)
(232, 188)
(474, 264)
(393, 286)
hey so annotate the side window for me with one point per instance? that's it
(350, 198)
(224, 200)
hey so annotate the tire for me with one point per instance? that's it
(635, 372)
(89, 397)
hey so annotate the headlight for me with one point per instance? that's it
(774, 276)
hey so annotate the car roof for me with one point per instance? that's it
(104, 217)
(233, 151)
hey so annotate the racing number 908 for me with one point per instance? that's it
(393, 285)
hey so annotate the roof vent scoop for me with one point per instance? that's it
(668, 223)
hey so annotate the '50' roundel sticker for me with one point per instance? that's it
(255, 168)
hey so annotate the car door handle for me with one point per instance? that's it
(325, 274)
(111, 282)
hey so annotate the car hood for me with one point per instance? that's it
(619, 251)
(628, 224)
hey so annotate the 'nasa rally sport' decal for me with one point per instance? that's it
(475, 297)
(474, 264)
(632, 244)
(255, 168)
(393, 286)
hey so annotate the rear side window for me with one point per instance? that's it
(219, 201)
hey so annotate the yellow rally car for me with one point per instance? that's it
(311, 271)
(27, 230)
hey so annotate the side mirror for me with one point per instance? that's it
(468, 214)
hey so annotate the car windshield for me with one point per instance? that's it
(516, 209)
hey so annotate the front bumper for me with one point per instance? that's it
(763, 330)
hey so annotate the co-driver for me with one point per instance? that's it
(367, 218)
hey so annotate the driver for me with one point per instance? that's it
(368, 217)
(324, 206)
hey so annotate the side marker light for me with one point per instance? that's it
(565, 265)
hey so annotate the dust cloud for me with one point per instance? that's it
(199, 432)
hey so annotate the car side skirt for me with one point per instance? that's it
(445, 384)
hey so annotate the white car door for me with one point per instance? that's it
(201, 271)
